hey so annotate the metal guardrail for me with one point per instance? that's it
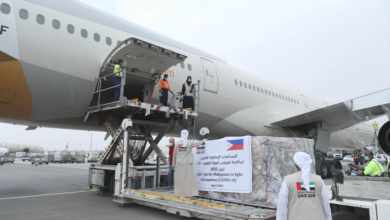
(98, 86)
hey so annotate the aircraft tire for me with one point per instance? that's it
(344, 216)
(330, 166)
(324, 170)
(47, 163)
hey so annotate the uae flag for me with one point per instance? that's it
(300, 186)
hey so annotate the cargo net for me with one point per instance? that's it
(272, 159)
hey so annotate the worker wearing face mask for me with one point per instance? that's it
(373, 168)
(163, 89)
(188, 91)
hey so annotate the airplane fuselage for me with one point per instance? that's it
(53, 51)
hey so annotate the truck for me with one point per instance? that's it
(337, 154)
(77, 156)
(94, 156)
(62, 157)
(10, 158)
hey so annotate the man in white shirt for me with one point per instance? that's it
(303, 195)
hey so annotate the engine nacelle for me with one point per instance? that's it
(384, 137)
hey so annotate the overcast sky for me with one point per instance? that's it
(334, 50)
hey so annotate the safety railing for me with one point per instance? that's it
(196, 96)
(98, 87)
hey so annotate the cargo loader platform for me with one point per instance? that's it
(203, 208)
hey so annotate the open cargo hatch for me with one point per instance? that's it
(144, 62)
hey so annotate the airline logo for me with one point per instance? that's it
(236, 144)
(301, 188)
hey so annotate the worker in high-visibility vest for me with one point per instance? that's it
(163, 89)
(118, 79)
(373, 168)
(388, 167)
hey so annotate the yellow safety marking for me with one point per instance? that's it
(52, 194)
(187, 109)
(134, 100)
(206, 204)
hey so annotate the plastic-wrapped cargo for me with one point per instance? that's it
(272, 159)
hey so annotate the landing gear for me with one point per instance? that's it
(330, 167)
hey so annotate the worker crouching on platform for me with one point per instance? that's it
(188, 91)
(303, 195)
(182, 163)
(373, 168)
(164, 88)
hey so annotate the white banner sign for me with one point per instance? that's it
(224, 165)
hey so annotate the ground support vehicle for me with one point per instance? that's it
(348, 158)
(50, 156)
(362, 198)
(9, 158)
(2, 160)
(62, 157)
(35, 160)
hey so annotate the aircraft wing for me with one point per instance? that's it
(344, 114)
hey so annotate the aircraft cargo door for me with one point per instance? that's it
(210, 76)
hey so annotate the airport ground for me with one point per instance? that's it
(59, 191)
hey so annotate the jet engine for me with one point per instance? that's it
(384, 137)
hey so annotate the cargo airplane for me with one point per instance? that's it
(51, 52)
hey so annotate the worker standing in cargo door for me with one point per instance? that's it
(118, 79)
(373, 168)
(303, 195)
(164, 88)
(187, 90)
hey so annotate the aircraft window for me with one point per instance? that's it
(182, 66)
(245, 85)
(5, 8)
(189, 67)
(262, 91)
(276, 94)
(298, 102)
(84, 33)
(269, 93)
(96, 36)
(283, 97)
(250, 87)
(70, 29)
(235, 81)
(254, 88)
(56, 24)
(23, 14)
(273, 94)
(108, 41)
(265, 91)
(41, 19)
(280, 97)
(240, 83)
(118, 42)
(258, 89)
(289, 99)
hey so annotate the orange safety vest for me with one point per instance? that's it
(164, 85)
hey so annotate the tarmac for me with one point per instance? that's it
(59, 191)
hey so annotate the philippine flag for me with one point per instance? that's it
(236, 144)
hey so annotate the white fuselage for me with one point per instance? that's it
(57, 70)
(14, 148)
